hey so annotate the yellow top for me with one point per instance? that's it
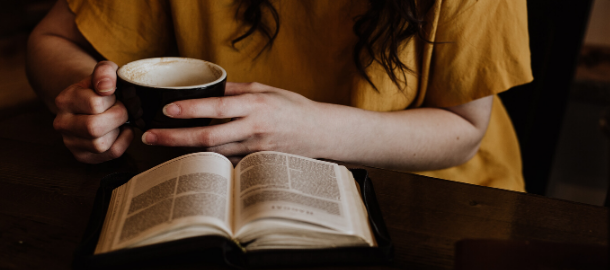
(482, 49)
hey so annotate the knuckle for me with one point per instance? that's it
(208, 139)
(120, 110)
(96, 105)
(255, 147)
(60, 100)
(58, 123)
(260, 100)
(248, 148)
(257, 129)
(270, 145)
(69, 143)
(220, 107)
(115, 152)
(260, 128)
(93, 128)
(253, 85)
(101, 146)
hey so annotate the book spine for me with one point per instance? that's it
(239, 245)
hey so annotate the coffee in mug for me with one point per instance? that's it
(146, 86)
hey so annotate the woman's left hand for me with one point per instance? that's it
(264, 118)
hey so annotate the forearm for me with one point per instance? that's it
(55, 60)
(410, 140)
(55, 63)
(268, 118)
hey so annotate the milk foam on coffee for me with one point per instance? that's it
(171, 72)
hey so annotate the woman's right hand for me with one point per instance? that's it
(90, 118)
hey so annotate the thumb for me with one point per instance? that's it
(103, 80)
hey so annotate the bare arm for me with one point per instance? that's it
(80, 91)
(269, 118)
(414, 140)
(57, 54)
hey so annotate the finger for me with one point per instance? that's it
(235, 160)
(103, 79)
(215, 107)
(199, 136)
(91, 126)
(122, 143)
(83, 101)
(231, 149)
(98, 145)
(116, 150)
(233, 88)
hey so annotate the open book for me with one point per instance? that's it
(270, 200)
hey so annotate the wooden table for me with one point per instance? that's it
(46, 197)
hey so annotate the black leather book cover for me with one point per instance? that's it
(216, 250)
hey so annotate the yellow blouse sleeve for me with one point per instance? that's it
(124, 31)
(482, 48)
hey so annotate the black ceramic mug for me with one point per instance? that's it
(146, 86)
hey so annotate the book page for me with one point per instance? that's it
(278, 185)
(188, 191)
(360, 215)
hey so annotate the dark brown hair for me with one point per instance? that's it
(381, 30)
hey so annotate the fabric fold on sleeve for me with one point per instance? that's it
(124, 31)
(482, 48)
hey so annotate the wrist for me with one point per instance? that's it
(336, 132)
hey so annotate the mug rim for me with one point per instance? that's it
(222, 77)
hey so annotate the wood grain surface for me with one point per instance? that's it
(46, 198)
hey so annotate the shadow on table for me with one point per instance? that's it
(513, 254)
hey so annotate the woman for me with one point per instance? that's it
(366, 81)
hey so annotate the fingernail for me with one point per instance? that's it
(171, 109)
(104, 85)
(149, 138)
